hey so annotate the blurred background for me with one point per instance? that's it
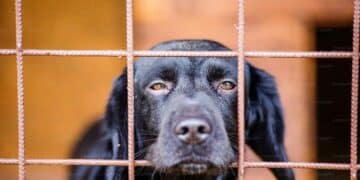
(64, 95)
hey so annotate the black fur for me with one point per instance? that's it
(107, 139)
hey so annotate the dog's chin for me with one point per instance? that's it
(193, 168)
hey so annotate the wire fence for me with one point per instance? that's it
(130, 53)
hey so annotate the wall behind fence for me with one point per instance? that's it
(63, 94)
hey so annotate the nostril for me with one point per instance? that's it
(201, 129)
(204, 129)
(183, 130)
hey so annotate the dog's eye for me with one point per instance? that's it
(158, 86)
(227, 85)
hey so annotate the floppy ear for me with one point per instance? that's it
(117, 125)
(106, 139)
(94, 144)
(265, 121)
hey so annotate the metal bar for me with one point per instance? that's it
(91, 162)
(354, 90)
(104, 53)
(5, 161)
(20, 89)
(124, 163)
(302, 165)
(241, 90)
(5, 52)
(298, 54)
(186, 53)
(130, 88)
(117, 53)
(64, 162)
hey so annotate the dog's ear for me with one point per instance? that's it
(116, 117)
(106, 139)
(265, 121)
(117, 124)
(263, 103)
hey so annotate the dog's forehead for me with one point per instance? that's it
(143, 64)
(150, 64)
(190, 45)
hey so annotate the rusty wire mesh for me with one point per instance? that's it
(130, 53)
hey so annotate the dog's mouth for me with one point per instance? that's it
(193, 168)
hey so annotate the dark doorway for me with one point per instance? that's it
(333, 100)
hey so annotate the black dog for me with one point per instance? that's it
(186, 118)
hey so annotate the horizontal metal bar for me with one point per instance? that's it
(299, 54)
(185, 53)
(90, 162)
(119, 53)
(300, 165)
(7, 52)
(101, 162)
(5, 161)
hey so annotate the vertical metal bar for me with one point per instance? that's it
(354, 90)
(130, 87)
(241, 89)
(20, 89)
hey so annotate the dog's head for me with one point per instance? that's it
(185, 109)
(190, 104)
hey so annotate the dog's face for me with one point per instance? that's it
(185, 117)
(190, 104)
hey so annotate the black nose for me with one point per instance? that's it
(193, 131)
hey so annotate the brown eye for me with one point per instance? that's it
(158, 86)
(227, 85)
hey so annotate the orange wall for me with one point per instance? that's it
(62, 94)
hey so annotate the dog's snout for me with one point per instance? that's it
(191, 108)
(192, 131)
